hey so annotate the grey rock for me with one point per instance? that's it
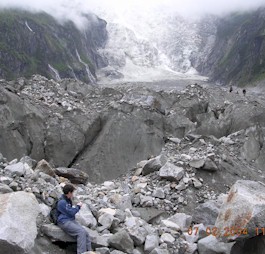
(44, 166)
(138, 235)
(26, 159)
(17, 169)
(154, 164)
(14, 186)
(197, 163)
(159, 251)
(151, 242)
(171, 172)
(106, 220)
(196, 183)
(251, 149)
(146, 201)
(124, 202)
(170, 224)
(74, 175)
(86, 218)
(209, 165)
(167, 238)
(159, 193)
(103, 250)
(191, 248)
(253, 245)
(56, 234)
(122, 241)
(210, 245)
(207, 212)
(244, 206)
(149, 214)
(117, 252)
(182, 220)
(18, 213)
(6, 180)
(5, 188)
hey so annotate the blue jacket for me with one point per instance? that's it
(66, 211)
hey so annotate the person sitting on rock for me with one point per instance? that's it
(66, 220)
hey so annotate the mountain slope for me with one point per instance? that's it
(37, 43)
(238, 54)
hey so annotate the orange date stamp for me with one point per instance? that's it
(226, 231)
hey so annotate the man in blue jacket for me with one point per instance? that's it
(66, 220)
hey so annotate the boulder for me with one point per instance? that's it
(253, 245)
(197, 163)
(5, 188)
(159, 193)
(138, 235)
(171, 172)
(17, 169)
(182, 220)
(154, 164)
(170, 224)
(151, 242)
(103, 250)
(167, 238)
(18, 229)
(243, 210)
(106, 220)
(209, 165)
(122, 241)
(44, 166)
(251, 149)
(210, 245)
(74, 175)
(56, 234)
(86, 218)
(159, 251)
(207, 212)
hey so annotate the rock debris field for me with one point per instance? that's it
(159, 172)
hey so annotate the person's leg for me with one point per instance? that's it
(74, 229)
(88, 242)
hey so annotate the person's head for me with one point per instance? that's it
(68, 190)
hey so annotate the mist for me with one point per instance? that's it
(73, 9)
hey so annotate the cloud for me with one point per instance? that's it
(73, 9)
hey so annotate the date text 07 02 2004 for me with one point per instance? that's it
(226, 232)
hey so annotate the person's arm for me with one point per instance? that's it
(65, 208)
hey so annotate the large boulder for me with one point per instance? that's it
(16, 169)
(171, 172)
(56, 234)
(74, 175)
(182, 220)
(243, 210)
(207, 212)
(44, 167)
(210, 245)
(122, 241)
(18, 229)
(85, 217)
(154, 164)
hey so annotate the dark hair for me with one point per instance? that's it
(68, 188)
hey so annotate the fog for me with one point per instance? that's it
(73, 9)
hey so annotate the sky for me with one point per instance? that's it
(71, 9)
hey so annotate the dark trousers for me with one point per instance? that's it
(75, 230)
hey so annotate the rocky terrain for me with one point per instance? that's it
(158, 171)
